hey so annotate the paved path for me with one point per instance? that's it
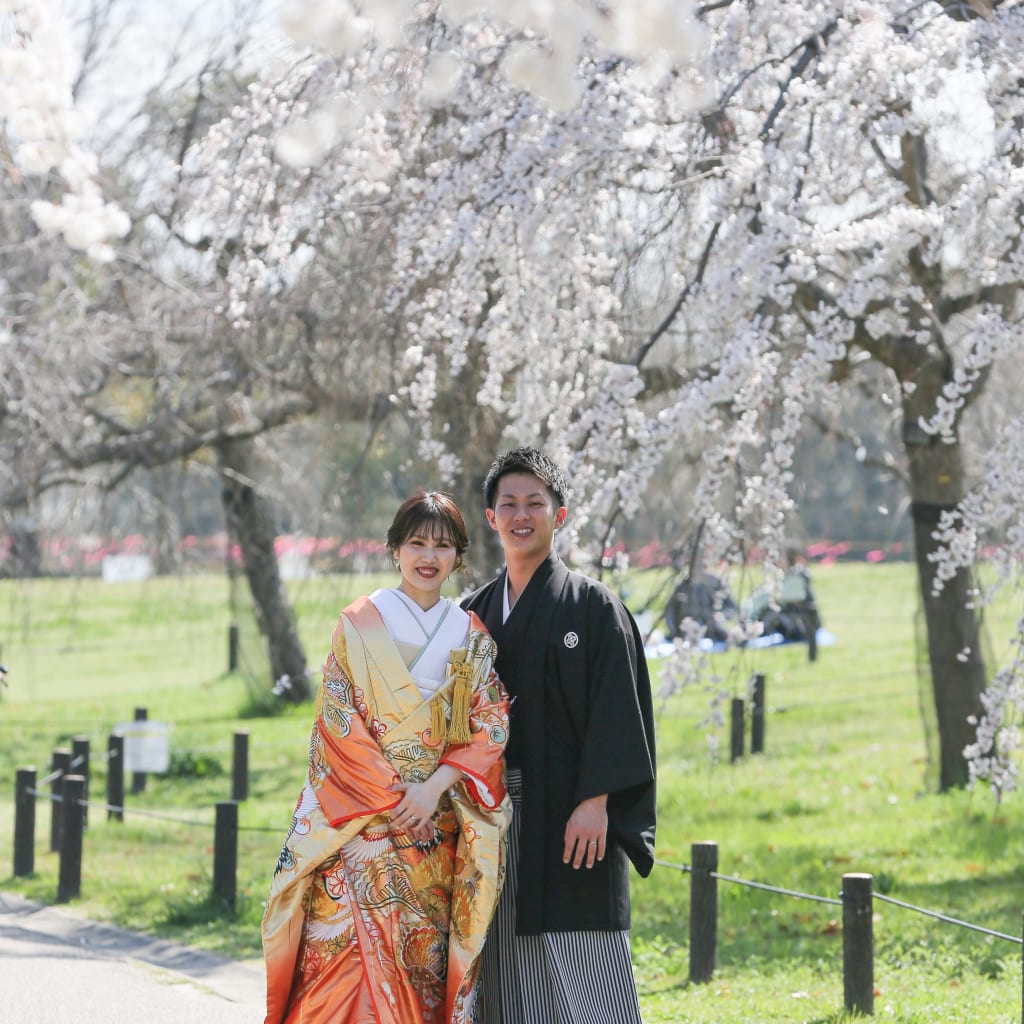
(56, 968)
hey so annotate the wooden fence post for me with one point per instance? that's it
(115, 777)
(232, 646)
(736, 729)
(24, 822)
(703, 911)
(59, 767)
(225, 853)
(858, 945)
(80, 766)
(69, 881)
(139, 778)
(240, 766)
(757, 714)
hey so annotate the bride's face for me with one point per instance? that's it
(425, 562)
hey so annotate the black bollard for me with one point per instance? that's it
(858, 945)
(703, 911)
(240, 767)
(225, 854)
(757, 714)
(24, 822)
(233, 647)
(80, 766)
(69, 881)
(61, 765)
(115, 778)
(736, 729)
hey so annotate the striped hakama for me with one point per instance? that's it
(556, 977)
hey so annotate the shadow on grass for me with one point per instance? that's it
(198, 912)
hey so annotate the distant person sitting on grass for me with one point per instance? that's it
(794, 616)
(796, 598)
(705, 598)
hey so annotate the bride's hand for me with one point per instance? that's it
(414, 813)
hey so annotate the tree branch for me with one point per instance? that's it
(696, 280)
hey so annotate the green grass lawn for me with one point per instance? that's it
(844, 785)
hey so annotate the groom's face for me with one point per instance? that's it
(525, 515)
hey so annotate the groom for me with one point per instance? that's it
(580, 762)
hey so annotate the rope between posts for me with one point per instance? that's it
(146, 814)
(948, 919)
(668, 864)
(168, 817)
(58, 799)
(754, 885)
(775, 888)
(55, 798)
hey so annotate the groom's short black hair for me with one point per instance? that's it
(531, 461)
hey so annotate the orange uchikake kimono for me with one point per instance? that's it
(363, 926)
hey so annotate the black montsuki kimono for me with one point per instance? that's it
(582, 724)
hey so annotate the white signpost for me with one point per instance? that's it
(146, 746)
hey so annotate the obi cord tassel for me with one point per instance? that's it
(438, 725)
(462, 693)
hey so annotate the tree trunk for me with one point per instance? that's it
(250, 522)
(954, 651)
(485, 556)
(164, 526)
(482, 430)
(25, 557)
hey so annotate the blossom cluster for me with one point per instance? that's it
(546, 40)
(994, 756)
(37, 105)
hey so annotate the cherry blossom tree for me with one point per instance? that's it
(614, 251)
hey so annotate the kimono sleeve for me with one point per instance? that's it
(348, 771)
(482, 759)
(617, 749)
